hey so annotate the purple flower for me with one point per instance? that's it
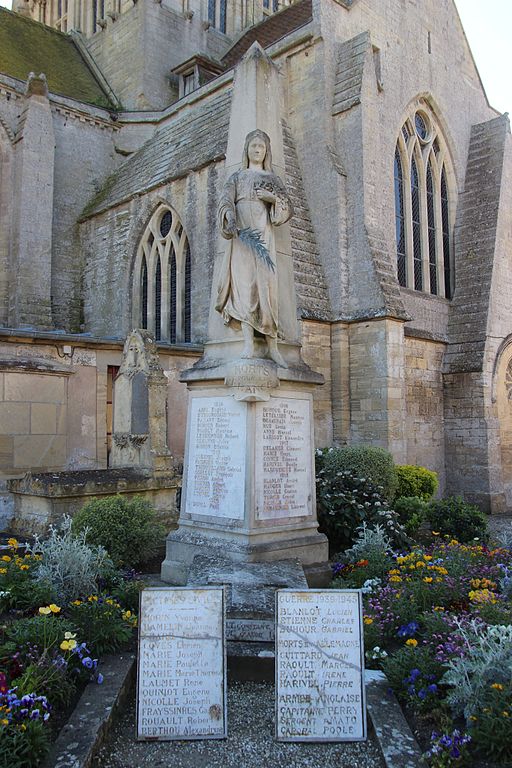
(34, 715)
(432, 688)
(88, 662)
(408, 630)
(422, 694)
(99, 678)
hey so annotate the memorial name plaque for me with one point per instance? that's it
(181, 674)
(284, 457)
(319, 666)
(215, 483)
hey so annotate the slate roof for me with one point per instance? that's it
(194, 138)
(270, 30)
(28, 46)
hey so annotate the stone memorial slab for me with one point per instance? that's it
(215, 482)
(284, 458)
(320, 692)
(181, 674)
(250, 630)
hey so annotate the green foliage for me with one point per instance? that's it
(45, 632)
(24, 748)
(71, 566)
(373, 464)
(410, 671)
(411, 511)
(345, 502)
(102, 623)
(455, 517)
(127, 528)
(490, 726)
(46, 678)
(127, 593)
(415, 481)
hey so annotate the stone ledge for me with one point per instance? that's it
(92, 718)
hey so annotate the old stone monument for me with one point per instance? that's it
(248, 489)
(139, 436)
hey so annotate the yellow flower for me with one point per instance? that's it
(4, 722)
(54, 608)
(13, 543)
(24, 567)
(395, 578)
(420, 564)
(6, 558)
(76, 602)
(435, 533)
(70, 635)
(505, 713)
(368, 620)
(473, 718)
(427, 557)
(45, 611)
(92, 599)
(3, 570)
(428, 579)
(497, 686)
(68, 645)
(127, 615)
(438, 608)
(412, 642)
(394, 572)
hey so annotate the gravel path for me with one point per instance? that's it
(250, 743)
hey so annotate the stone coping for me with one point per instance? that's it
(90, 482)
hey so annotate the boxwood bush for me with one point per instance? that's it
(415, 481)
(455, 517)
(127, 528)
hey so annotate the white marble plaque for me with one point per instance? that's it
(181, 673)
(319, 666)
(216, 458)
(283, 480)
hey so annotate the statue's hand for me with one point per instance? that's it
(230, 227)
(266, 196)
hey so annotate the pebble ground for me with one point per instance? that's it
(250, 742)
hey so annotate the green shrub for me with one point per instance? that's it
(411, 511)
(373, 464)
(127, 528)
(345, 502)
(415, 481)
(455, 517)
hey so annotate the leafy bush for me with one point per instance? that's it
(127, 528)
(102, 622)
(44, 632)
(72, 567)
(18, 587)
(411, 511)
(345, 502)
(373, 464)
(414, 674)
(415, 481)
(455, 517)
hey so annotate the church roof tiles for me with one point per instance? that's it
(28, 46)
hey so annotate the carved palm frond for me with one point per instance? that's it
(252, 239)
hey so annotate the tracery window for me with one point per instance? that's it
(217, 14)
(162, 279)
(422, 210)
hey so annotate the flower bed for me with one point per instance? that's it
(53, 634)
(438, 621)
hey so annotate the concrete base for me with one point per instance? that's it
(183, 546)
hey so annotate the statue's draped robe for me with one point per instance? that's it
(247, 291)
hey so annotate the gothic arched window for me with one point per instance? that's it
(162, 279)
(422, 211)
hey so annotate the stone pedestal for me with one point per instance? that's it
(249, 484)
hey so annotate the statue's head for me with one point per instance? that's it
(261, 136)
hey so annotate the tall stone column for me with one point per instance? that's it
(30, 303)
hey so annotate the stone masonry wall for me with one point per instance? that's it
(424, 426)
(316, 352)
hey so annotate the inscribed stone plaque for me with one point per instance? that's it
(319, 666)
(181, 674)
(216, 458)
(283, 481)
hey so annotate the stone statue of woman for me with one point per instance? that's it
(253, 202)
